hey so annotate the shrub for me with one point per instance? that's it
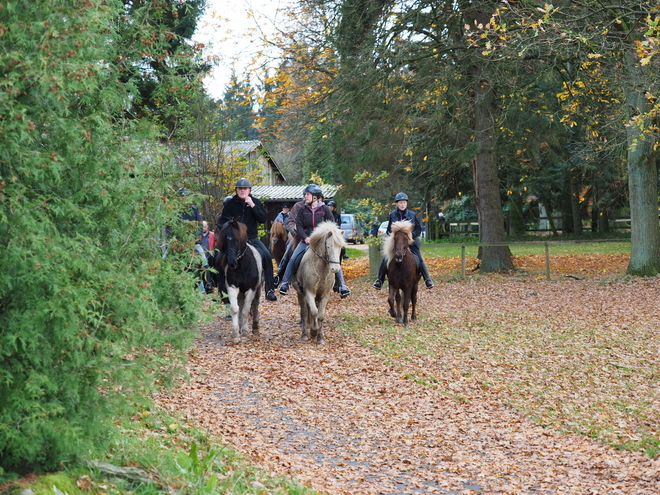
(88, 307)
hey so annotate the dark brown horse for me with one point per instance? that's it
(402, 272)
(277, 241)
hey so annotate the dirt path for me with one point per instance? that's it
(337, 418)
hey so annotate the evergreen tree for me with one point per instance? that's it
(89, 309)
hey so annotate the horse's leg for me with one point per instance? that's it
(303, 316)
(406, 304)
(320, 338)
(255, 311)
(413, 300)
(399, 318)
(235, 314)
(390, 300)
(312, 314)
(245, 305)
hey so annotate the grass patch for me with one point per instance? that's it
(597, 381)
(354, 253)
(157, 453)
(572, 248)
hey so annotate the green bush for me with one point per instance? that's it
(88, 307)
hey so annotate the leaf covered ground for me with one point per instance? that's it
(505, 384)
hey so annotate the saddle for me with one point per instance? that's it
(296, 264)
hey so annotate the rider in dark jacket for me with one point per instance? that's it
(249, 210)
(403, 213)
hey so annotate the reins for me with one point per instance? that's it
(325, 258)
(239, 256)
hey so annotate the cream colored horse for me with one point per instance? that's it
(316, 276)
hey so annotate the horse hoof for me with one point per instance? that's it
(236, 340)
(320, 341)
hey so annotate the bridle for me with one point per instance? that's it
(238, 256)
(326, 257)
(398, 253)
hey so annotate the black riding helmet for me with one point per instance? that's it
(332, 203)
(401, 197)
(314, 190)
(243, 182)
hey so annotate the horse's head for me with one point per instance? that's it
(398, 243)
(233, 241)
(326, 241)
(277, 232)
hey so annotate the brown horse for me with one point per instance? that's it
(402, 272)
(277, 241)
(315, 277)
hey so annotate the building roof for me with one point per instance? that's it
(244, 148)
(289, 193)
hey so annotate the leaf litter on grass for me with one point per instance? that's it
(497, 388)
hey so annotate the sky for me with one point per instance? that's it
(231, 31)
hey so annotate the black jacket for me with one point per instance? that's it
(307, 219)
(238, 209)
(398, 215)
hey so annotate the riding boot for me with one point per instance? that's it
(382, 272)
(425, 273)
(281, 268)
(340, 283)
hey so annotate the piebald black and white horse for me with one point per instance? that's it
(242, 267)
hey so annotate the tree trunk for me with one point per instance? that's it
(642, 179)
(486, 180)
(575, 205)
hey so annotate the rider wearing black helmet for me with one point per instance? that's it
(311, 212)
(333, 208)
(249, 210)
(291, 228)
(403, 213)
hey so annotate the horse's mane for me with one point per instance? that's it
(402, 226)
(321, 231)
(278, 229)
(240, 232)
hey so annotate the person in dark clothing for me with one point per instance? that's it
(249, 210)
(374, 228)
(312, 212)
(333, 208)
(192, 213)
(207, 242)
(403, 213)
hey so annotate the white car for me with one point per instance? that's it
(383, 228)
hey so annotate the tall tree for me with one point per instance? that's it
(90, 311)
(621, 32)
(157, 57)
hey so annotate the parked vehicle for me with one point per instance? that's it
(383, 228)
(353, 229)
